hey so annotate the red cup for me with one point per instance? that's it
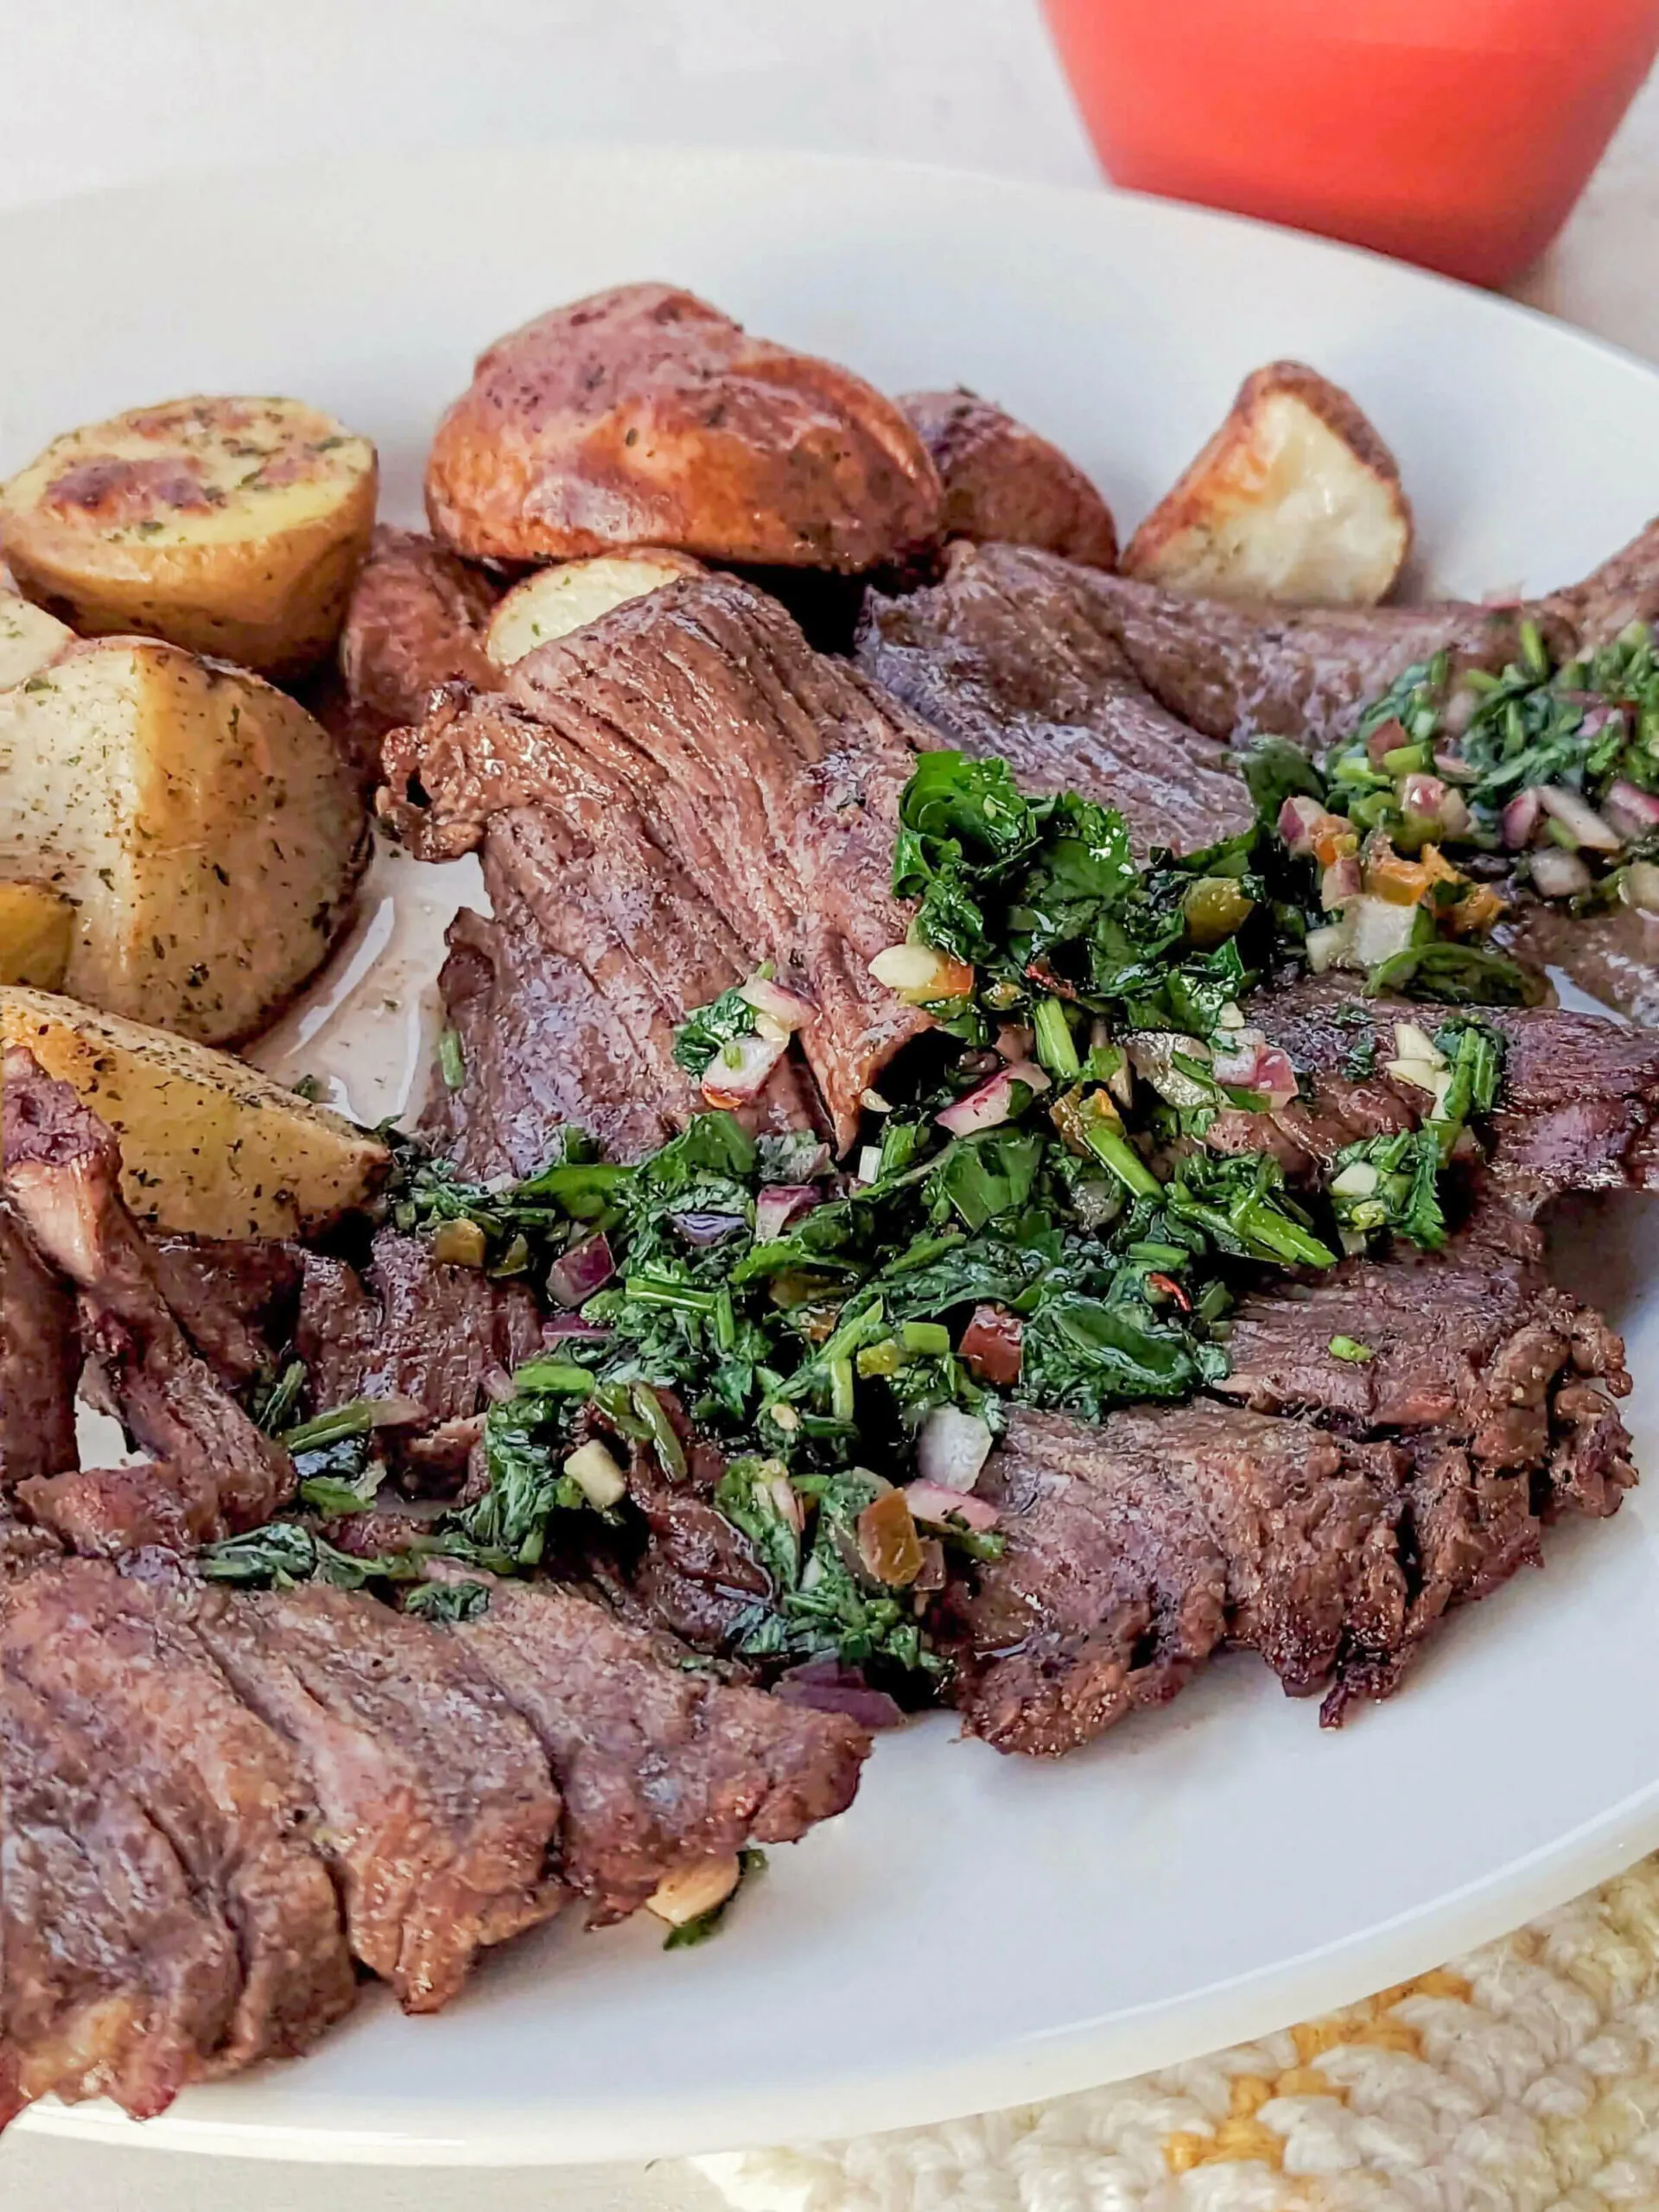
(1456, 133)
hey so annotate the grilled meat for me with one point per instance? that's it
(39, 1360)
(1014, 654)
(767, 774)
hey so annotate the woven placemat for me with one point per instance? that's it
(1522, 2078)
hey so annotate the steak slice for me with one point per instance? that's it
(1235, 672)
(1011, 655)
(234, 1297)
(767, 773)
(414, 1328)
(1613, 954)
(1471, 1343)
(62, 1178)
(567, 1004)
(437, 1811)
(106, 1512)
(1110, 1593)
(1577, 1109)
(40, 1360)
(120, 1975)
(110, 1660)
(659, 1765)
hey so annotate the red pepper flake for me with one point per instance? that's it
(1172, 1289)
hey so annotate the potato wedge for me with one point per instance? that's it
(230, 526)
(205, 825)
(644, 416)
(555, 601)
(1295, 499)
(207, 1143)
(29, 638)
(37, 928)
(1004, 483)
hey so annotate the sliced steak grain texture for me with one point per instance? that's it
(234, 1297)
(62, 1178)
(767, 773)
(39, 1360)
(109, 1658)
(1576, 1112)
(119, 1973)
(1470, 1343)
(659, 1765)
(1236, 672)
(1011, 655)
(438, 1814)
(412, 1327)
(1110, 1592)
(566, 1004)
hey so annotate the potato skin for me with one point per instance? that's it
(205, 825)
(1232, 525)
(209, 1146)
(1005, 485)
(645, 416)
(231, 527)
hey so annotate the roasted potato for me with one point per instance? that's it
(229, 526)
(1295, 499)
(206, 827)
(29, 637)
(555, 601)
(645, 417)
(1004, 483)
(37, 927)
(208, 1144)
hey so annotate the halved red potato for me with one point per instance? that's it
(1004, 483)
(555, 601)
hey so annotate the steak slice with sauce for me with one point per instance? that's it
(1577, 1110)
(111, 1662)
(438, 1815)
(658, 1765)
(767, 774)
(1010, 655)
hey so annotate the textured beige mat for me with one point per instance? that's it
(1522, 2078)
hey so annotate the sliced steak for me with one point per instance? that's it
(62, 1178)
(1471, 1343)
(1011, 654)
(1577, 1109)
(234, 1297)
(109, 1659)
(416, 620)
(1613, 955)
(437, 1811)
(119, 1973)
(566, 1002)
(23, 1546)
(1235, 672)
(767, 773)
(1110, 1592)
(416, 1328)
(39, 1360)
(106, 1512)
(658, 1766)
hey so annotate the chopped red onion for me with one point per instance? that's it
(1454, 767)
(1298, 818)
(1421, 793)
(1631, 809)
(933, 1503)
(1520, 818)
(1388, 737)
(1556, 874)
(767, 996)
(563, 1328)
(1341, 881)
(587, 1267)
(1254, 1064)
(1577, 817)
(704, 1229)
(1455, 817)
(990, 1105)
(779, 1204)
(826, 1686)
(739, 1070)
(1014, 1042)
(951, 1447)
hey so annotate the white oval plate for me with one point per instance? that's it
(978, 1931)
